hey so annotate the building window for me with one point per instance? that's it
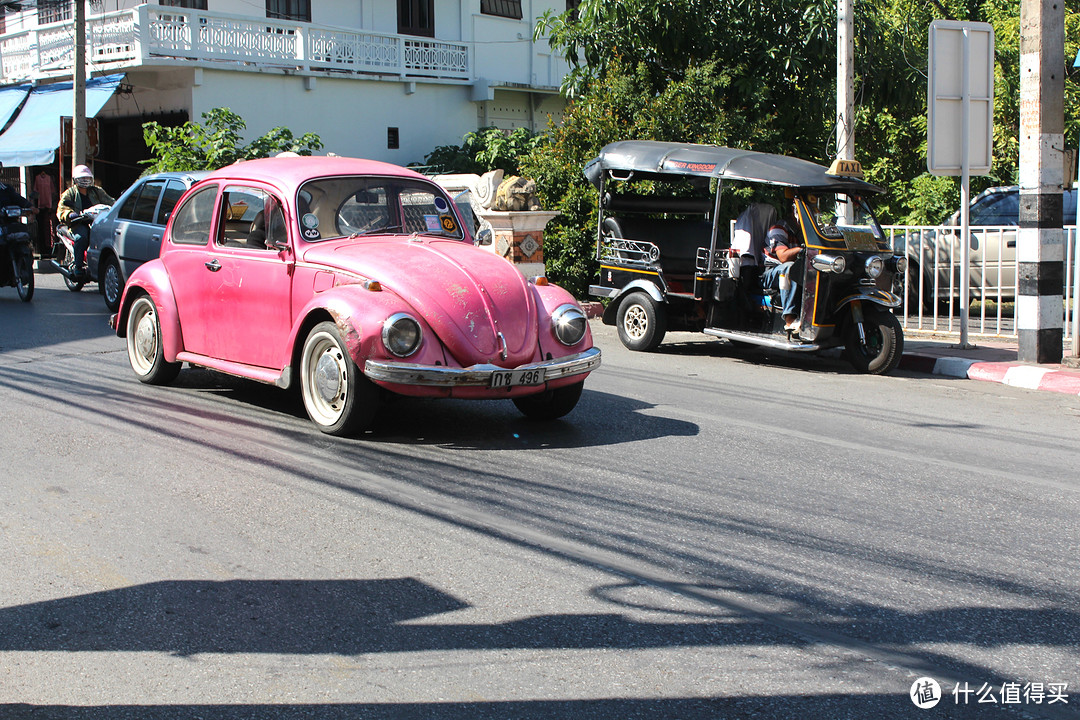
(502, 8)
(297, 10)
(189, 4)
(393, 141)
(50, 11)
(416, 17)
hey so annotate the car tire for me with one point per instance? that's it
(884, 342)
(144, 347)
(23, 268)
(337, 396)
(641, 322)
(111, 281)
(550, 404)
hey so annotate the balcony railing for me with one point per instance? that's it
(149, 34)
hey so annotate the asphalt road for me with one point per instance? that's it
(711, 533)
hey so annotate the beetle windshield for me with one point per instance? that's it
(358, 206)
(838, 214)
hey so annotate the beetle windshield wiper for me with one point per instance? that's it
(371, 231)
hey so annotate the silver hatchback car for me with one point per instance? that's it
(130, 233)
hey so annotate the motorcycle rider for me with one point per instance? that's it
(8, 196)
(82, 195)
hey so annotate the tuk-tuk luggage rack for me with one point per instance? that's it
(629, 252)
(721, 262)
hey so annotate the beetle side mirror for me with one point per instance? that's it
(484, 237)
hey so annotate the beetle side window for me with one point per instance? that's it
(147, 202)
(194, 217)
(173, 190)
(243, 217)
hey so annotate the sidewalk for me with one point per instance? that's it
(993, 360)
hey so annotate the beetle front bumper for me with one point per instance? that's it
(401, 373)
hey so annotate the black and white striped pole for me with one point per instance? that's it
(1040, 250)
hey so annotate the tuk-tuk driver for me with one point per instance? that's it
(783, 247)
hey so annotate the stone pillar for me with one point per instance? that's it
(518, 236)
(1040, 247)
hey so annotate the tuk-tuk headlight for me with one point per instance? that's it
(829, 263)
(401, 334)
(568, 323)
(874, 266)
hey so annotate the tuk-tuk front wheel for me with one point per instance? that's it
(883, 347)
(641, 322)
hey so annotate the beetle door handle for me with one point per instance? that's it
(213, 265)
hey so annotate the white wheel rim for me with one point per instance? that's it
(142, 337)
(636, 322)
(325, 377)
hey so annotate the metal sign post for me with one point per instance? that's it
(960, 120)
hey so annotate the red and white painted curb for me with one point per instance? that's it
(1030, 377)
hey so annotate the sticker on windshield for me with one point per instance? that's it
(310, 223)
(432, 223)
(440, 205)
(448, 224)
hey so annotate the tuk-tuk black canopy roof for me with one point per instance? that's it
(649, 156)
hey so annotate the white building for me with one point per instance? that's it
(383, 79)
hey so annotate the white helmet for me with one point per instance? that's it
(82, 175)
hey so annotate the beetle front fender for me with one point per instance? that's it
(359, 314)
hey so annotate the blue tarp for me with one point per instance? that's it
(10, 99)
(34, 135)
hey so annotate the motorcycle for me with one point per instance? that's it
(64, 248)
(17, 256)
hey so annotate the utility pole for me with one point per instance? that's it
(1040, 250)
(79, 137)
(845, 79)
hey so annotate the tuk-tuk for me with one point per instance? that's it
(681, 238)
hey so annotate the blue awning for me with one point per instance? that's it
(10, 99)
(34, 136)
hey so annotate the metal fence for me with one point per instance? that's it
(931, 287)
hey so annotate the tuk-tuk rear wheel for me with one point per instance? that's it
(642, 323)
(884, 342)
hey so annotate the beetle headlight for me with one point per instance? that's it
(401, 334)
(829, 263)
(568, 323)
(874, 266)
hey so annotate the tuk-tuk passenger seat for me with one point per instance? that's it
(677, 240)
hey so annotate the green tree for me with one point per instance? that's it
(216, 143)
(486, 149)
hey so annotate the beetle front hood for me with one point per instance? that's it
(467, 295)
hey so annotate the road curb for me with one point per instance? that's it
(1029, 377)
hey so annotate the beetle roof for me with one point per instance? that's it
(666, 158)
(289, 172)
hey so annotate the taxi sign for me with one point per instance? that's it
(846, 168)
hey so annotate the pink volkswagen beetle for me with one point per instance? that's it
(348, 278)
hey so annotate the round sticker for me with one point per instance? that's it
(311, 233)
(440, 205)
(448, 224)
(310, 221)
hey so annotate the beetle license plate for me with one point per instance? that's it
(515, 378)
